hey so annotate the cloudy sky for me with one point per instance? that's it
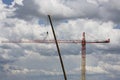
(27, 20)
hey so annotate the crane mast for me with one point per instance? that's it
(83, 56)
(83, 61)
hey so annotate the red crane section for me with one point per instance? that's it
(83, 62)
(83, 42)
(52, 41)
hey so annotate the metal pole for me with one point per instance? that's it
(83, 63)
(61, 61)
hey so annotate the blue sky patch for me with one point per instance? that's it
(117, 27)
(42, 21)
(8, 2)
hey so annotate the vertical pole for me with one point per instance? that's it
(83, 56)
(61, 61)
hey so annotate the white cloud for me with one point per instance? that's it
(92, 16)
(5, 12)
(104, 10)
(19, 2)
(95, 30)
(53, 7)
(95, 70)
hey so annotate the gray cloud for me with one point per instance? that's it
(26, 12)
(61, 9)
(96, 17)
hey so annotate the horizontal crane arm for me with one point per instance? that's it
(42, 41)
(105, 41)
(53, 41)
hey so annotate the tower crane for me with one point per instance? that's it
(83, 43)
